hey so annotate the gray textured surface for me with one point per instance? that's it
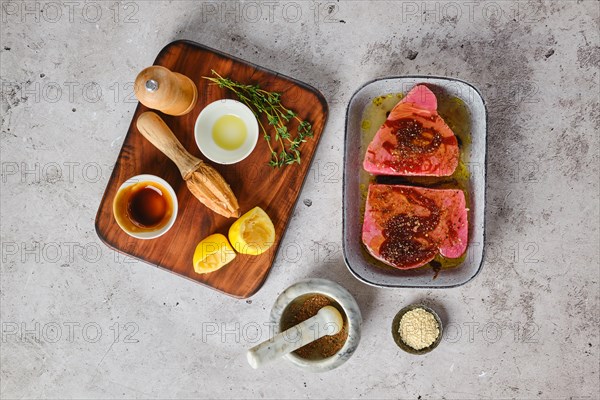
(526, 327)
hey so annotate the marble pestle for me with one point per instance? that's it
(328, 321)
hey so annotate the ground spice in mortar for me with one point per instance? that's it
(326, 346)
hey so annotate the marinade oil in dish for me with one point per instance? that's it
(456, 115)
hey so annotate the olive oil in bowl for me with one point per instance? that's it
(229, 132)
(226, 131)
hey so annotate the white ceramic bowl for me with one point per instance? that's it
(343, 298)
(159, 232)
(204, 127)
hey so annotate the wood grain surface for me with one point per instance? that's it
(252, 180)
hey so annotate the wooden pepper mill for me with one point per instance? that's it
(164, 90)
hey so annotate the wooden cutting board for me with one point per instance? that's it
(252, 180)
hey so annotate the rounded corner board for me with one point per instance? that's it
(252, 180)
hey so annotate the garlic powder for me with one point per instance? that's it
(418, 329)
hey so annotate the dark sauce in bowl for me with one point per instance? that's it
(143, 207)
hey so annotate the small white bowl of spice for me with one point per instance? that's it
(417, 329)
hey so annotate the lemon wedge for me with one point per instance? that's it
(212, 253)
(253, 233)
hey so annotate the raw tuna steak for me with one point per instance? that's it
(406, 226)
(414, 140)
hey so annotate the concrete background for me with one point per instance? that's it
(79, 321)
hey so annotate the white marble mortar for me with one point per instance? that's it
(343, 298)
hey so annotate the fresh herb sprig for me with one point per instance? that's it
(286, 149)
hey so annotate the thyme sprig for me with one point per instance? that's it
(286, 147)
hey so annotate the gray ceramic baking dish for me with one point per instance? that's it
(359, 262)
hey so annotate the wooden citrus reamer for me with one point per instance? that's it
(202, 180)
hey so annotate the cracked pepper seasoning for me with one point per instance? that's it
(326, 346)
(418, 329)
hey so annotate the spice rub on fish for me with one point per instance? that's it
(414, 140)
(406, 226)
